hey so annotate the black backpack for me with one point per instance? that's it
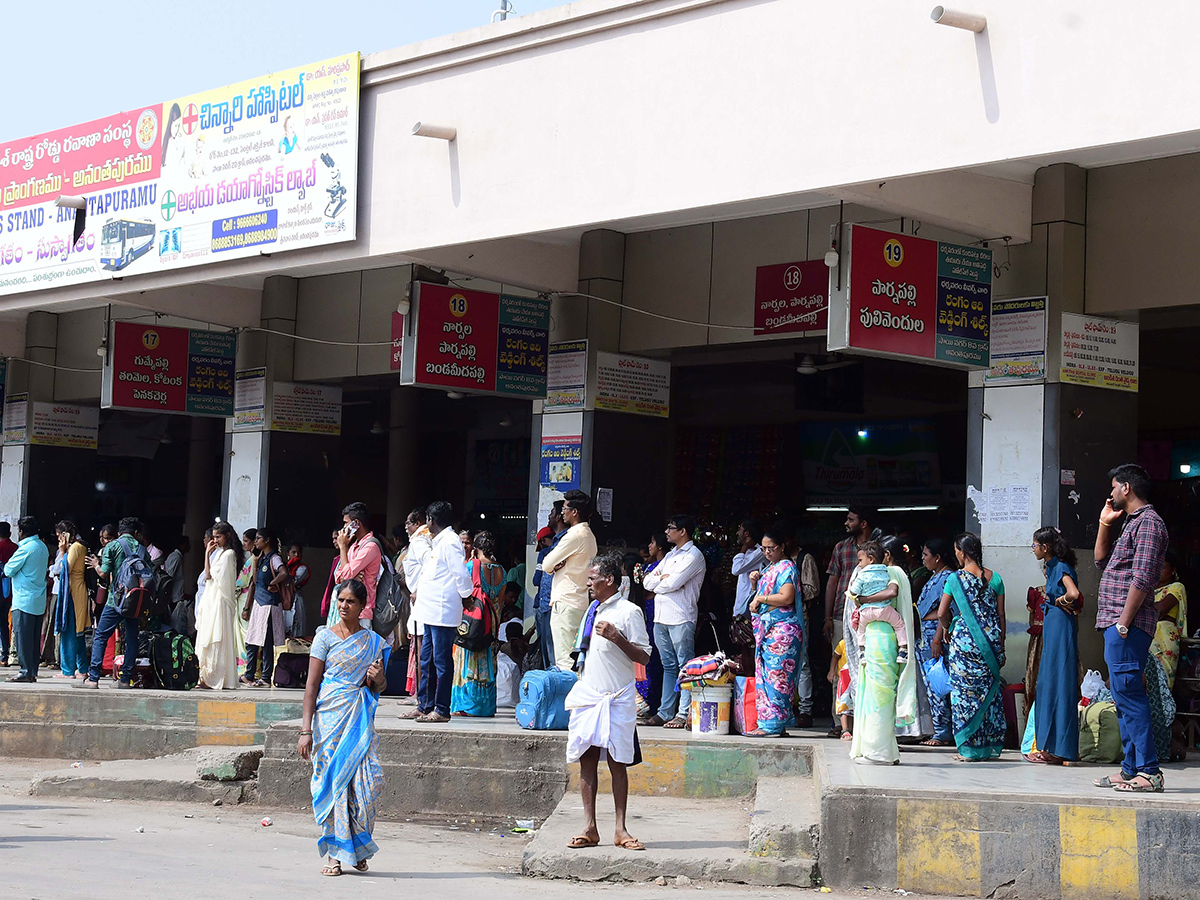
(389, 595)
(174, 660)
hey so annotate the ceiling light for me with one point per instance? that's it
(378, 428)
(862, 432)
(831, 259)
(1185, 468)
(455, 395)
(808, 365)
(827, 509)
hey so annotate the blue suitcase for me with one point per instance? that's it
(541, 703)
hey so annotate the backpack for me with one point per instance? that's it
(174, 660)
(542, 699)
(291, 670)
(162, 606)
(389, 595)
(135, 583)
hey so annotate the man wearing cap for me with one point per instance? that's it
(547, 539)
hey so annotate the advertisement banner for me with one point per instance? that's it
(16, 408)
(913, 298)
(170, 370)
(64, 425)
(267, 164)
(633, 384)
(1018, 341)
(561, 457)
(566, 380)
(478, 342)
(791, 297)
(250, 399)
(872, 463)
(306, 408)
(1099, 352)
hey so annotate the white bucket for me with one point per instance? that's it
(710, 709)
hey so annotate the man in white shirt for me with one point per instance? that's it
(603, 703)
(676, 583)
(570, 561)
(443, 580)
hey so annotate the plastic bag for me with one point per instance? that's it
(1092, 685)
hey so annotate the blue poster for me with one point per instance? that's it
(561, 459)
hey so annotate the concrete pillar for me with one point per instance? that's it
(41, 343)
(246, 464)
(1029, 434)
(403, 447)
(203, 490)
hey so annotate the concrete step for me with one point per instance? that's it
(686, 841)
(786, 822)
(184, 777)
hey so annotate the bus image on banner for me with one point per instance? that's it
(124, 240)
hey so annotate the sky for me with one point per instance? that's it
(137, 53)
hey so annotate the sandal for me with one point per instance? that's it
(580, 841)
(261, 683)
(677, 722)
(412, 714)
(847, 736)
(835, 732)
(361, 865)
(1109, 781)
(630, 844)
(247, 680)
(654, 721)
(759, 733)
(934, 742)
(1041, 756)
(433, 718)
(333, 869)
(1153, 784)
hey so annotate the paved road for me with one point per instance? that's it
(62, 850)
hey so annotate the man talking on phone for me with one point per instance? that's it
(361, 557)
(1130, 563)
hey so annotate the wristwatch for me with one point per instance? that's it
(1122, 630)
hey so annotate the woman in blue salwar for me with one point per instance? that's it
(972, 632)
(1056, 716)
(345, 676)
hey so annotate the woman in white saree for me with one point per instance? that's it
(216, 619)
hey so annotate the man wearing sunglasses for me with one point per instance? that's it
(676, 583)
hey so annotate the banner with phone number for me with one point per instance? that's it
(264, 165)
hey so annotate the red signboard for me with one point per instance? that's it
(397, 338)
(893, 280)
(170, 370)
(791, 297)
(457, 335)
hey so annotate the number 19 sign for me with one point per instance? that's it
(907, 297)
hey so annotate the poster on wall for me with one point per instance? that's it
(478, 342)
(566, 378)
(170, 370)
(264, 165)
(872, 462)
(1099, 352)
(561, 462)
(633, 384)
(1018, 341)
(306, 408)
(911, 298)
(250, 399)
(64, 425)
(791, 297)
(16, 409)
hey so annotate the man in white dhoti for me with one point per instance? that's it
(603, 703)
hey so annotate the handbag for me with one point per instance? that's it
(287, 590)
(476, 628)
(741, 631)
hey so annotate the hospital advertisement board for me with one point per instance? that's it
(261, 166)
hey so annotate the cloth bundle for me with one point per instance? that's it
(705, 671)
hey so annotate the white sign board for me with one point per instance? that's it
(1018, 341)
(566, 377)
(1099, 352)
(16, 409)
(633, 384)
(306, 408)
(64, 425)
(249, 399)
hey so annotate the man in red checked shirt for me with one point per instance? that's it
(361, 555)
(1131, 564)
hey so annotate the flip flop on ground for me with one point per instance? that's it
(630, 843)
(582, 840)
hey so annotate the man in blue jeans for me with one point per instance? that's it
(27, 569)
(675, 583)
(444, 581)
(548, 539)
(1131, 566)
(111, 557)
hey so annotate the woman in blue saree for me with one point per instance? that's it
(778, 633)
(345, 675)
(972, 631)
(473, 692)
(938, 557)
(1056, 720)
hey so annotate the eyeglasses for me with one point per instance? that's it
(674, 528)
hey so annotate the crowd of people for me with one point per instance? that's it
(917, 646)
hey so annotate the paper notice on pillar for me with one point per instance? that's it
(566, 380)
(633, 384)
(16, 408)
(1019, 503)
(998, 504)
(250, 399)
(546, 498)
(64, 425)
(604, 503)
(1099, 352)
(1018, 343)
(306, 408)
(979, 500)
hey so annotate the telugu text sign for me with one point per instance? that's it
(64, 425)
(1099, 352)
(264, 165)
(1018, 341)
(566, 378)
(170, 370)
(633, 384)
(306, 408)
(791, 297)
